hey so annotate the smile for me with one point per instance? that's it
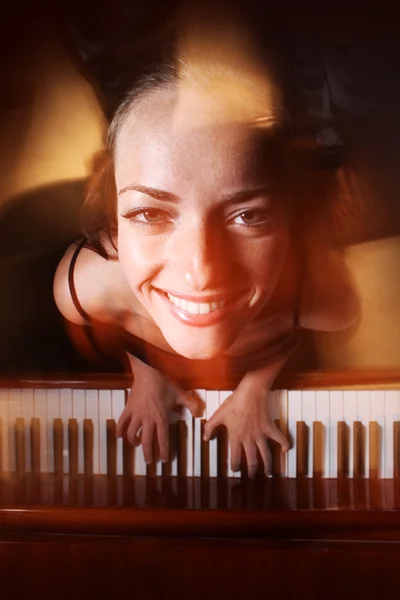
(197, 308)
(218, 308)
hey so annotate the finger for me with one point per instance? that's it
(192, 402)
(265, 454)
(163, 441)
(132, 432)
(236, 456)
(212, 424)
(123, 422)
(274, 433)
(250, 450)
(147, 443)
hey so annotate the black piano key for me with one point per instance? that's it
(222, 452)
(128, 454)
(88, 446)
(35, 445)
(58, 443)
(166, 468)
(111, 441)
(374, 445)
(358, 449)
(276, 454)
(301, 449)
(343, 449)
(20, 446)
(73, 447)
(318, 449)
(182, 448)
(204, 453)
(151, 468)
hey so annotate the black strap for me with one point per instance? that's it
(71, 282)
(87, 327)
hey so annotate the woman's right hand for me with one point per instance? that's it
(147, 411)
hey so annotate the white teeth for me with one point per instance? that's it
(197, 308)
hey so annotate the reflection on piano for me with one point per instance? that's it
(70, 488)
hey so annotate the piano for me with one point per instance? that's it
(81, 515)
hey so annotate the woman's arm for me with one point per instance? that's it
(98, 286)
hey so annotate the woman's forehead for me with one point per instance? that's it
(225, 154)
(193, 123)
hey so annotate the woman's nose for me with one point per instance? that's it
(204, 260)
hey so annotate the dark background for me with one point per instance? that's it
(342, 67)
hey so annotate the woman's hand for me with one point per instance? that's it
(245, 415)
(148, 409)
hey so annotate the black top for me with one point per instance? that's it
(176, 365)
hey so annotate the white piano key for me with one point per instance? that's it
(223, 395)
(391, 415)
(105, 412)
(4, 416)
(78, 413)
(139, 467)
(158, 468)
(364, 415)
(139, 464)
(27, 412)
(92, 413)
(53, 412)
(65, 414)
(40, 412)
(295, 414)
(174, 418)
(186, 416)
(350, 412)
(322, 415)
(117, 406)
(308, 409)
(212, 400)
(197, 437)
(336, 414)
(378, 415)
(14, 411)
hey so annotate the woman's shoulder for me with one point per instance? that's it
(88, 286)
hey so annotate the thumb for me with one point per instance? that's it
(191, 402)
(212, 424)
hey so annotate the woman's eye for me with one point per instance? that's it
(252, 217)
(150, 216)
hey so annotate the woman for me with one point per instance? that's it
(198, 255)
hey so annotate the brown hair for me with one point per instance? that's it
(99, 212)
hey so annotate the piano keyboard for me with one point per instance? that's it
(333, 433)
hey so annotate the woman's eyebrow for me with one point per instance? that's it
(153, 192)
(247, 194)
(235, 198)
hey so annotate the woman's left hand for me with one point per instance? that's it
(245, 415)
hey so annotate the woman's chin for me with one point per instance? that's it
(197, 351)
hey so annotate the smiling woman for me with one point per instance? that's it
(191, 253)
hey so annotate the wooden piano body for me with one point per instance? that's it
(75, 526)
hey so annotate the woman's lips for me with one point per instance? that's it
(200, 314)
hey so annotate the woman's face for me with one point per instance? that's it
(201, 239)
